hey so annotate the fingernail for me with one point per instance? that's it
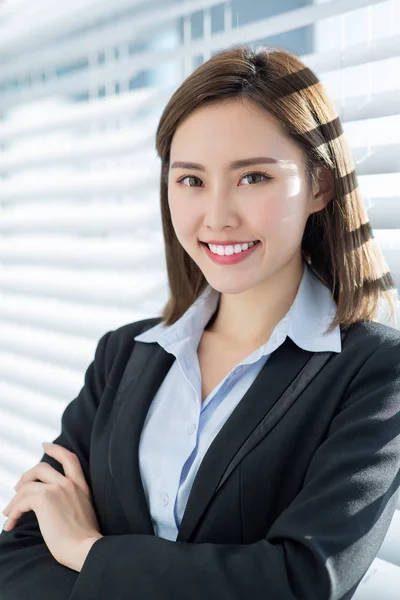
(45, 444)
(4, 526)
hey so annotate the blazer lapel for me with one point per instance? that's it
(144, 373)
(282, 379)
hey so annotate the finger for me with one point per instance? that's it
(21, 503)
(31, 487)
(71, 465)
(43, 472)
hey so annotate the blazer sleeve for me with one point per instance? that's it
(321, 545)
(27, 568)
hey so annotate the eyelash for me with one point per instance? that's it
(267, 178)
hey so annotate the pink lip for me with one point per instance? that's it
(231, 259)
(228, 242)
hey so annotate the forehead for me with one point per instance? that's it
(222, 131)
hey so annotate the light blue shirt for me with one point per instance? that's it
(179, 428)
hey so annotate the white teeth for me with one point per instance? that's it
(227, 250)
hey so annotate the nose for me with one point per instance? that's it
(220, 211)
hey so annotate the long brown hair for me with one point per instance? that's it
(338, 241)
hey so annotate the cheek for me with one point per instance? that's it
(183, 217)
(283, 213)
(183, 223)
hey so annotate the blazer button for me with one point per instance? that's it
(166, 499)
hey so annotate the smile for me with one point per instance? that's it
(230, 259)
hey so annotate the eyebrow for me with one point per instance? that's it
(236, 164)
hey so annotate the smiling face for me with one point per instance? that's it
(267, 201)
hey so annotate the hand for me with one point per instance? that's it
(62, 504)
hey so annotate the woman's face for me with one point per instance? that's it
(266, 201)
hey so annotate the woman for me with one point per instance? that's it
(245, 443)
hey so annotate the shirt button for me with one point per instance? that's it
(191, 428)
(166, 499)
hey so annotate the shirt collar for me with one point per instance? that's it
(305, 323)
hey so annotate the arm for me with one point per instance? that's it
(27, 568)
(319, 548)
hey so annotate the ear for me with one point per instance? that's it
(323, 191)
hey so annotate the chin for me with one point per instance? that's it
(229, 287)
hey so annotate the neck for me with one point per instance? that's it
(249, 317)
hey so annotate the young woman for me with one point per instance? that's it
(245, 444)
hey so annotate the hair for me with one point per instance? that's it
(338, 241)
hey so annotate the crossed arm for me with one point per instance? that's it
(318, 549)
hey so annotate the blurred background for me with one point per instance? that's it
(82, 86)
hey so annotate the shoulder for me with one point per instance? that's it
(115, 348)
(369, 367)
(370, 358)
(125, 334)
(122, 338)
(368, 337)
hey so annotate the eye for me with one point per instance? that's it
(251, 174)
(255, 173)
(188, 177)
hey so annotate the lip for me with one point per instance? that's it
(228, 243)
(231, 259)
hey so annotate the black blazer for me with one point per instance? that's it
(291, 502)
